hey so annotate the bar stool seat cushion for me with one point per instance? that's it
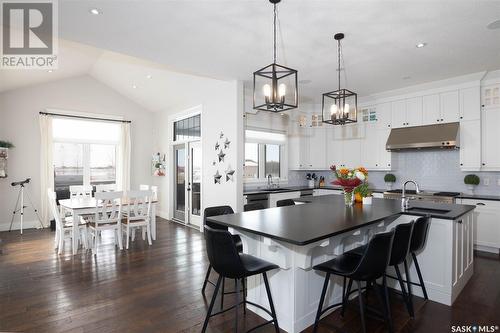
(344, 264)
(254, 265)
(359, 251)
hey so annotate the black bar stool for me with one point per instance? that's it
(418, 239)
(368, 267)
(214, 211)
(229, 263)
(399, 253)
(285, 202)
(253, 206)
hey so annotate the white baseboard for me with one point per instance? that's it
(33, 224)
(163, 214)
(488, 249)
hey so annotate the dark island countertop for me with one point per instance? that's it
(326, 216)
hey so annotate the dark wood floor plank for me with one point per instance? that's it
(158, 289)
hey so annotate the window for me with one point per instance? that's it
(251, 168)
(188, 129)
(264, 155)
(85, 153)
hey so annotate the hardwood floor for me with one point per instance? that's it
(158, 289)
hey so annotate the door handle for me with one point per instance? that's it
(480, 204)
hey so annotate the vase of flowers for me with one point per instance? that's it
(348, 179)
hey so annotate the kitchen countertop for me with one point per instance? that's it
(298, 188)
(326, 216)
(479, 197)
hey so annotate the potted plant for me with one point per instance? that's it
(364, 193)
(471, 181)
(389, 180)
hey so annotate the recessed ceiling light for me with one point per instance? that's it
(494, 25)
(49, 71)
(149, 76)
(420, 45)
(134, 86)
(95, 11)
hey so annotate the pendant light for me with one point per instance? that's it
(339, 107)
(275, 86)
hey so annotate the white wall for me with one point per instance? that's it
(19, 123)
(221, 105)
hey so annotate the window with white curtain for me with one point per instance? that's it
(265, 154)
(84, 152)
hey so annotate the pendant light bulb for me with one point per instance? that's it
(282, 90)
(333, 109)
(346, 110)
(266, 89)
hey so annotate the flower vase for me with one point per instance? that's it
(348, 197)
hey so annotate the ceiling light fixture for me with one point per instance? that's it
(149, 76)
(420, 45)
(49, 71)
(339, 107)
(95, 11)
(134, 86)
(275, 86)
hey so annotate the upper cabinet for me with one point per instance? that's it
(490, 139)
(431, 111)
(384, 115)
(450, 109)
(470, 104)
(407, 112)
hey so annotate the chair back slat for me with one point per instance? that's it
(108, 207)
(53, 208)
(80, 191)
(139, 205)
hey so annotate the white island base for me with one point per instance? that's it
(446, 264)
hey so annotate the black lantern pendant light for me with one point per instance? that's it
(339, 107)
(275, 86)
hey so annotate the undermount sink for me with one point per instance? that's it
(428, 210)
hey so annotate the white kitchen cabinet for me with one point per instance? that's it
(407, 112)
(334, 149)
(490, 139)
(383, 156)
(490, 96)
(351, 154)
(317, 149)
(470, 143)
(369, 148)
(384, 115)
(470, 103)
(294, 157)
(450, 106)
(274, 197)
(398, 113)
(486, 226)
(431, 113)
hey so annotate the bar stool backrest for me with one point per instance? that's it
(420, 230)
(214, 211)
(253, 206)
(401, 243)
(375, 260)
(222, 253)
(285, 202)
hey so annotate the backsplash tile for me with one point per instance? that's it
(432, 170)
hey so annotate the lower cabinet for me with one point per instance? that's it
(486, 225)
(275, 197)
(318, 192)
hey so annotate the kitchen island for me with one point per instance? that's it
(298, 237)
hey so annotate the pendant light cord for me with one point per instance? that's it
(274, 34)
(338, 50)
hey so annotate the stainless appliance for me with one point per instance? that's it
(437, 197)
(262, 198)
(429, 136)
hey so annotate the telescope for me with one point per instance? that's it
(21, 183)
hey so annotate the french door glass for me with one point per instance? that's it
(180, 182)
(194, 189)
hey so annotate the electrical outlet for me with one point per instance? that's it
(486, 181)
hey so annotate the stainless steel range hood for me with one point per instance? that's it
(425, 137)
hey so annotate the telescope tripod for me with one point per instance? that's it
(20, 208)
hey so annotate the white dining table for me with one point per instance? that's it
(85, 206)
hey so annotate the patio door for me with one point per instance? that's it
(187, 183)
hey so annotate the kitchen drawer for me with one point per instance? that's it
(319, 191)
(487, 223)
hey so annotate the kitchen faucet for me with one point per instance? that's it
(405, 200)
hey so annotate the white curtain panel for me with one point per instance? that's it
(46, 165)
(123, 165)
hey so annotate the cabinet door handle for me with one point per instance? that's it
(459, 221)
(441, 119)
(480, 204)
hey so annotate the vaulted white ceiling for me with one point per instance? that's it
(232, 38)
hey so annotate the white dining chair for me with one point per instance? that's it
(153, 189)
(108, 216)
(64, 229)
(80, 191)
(105, 188)
(138, 214)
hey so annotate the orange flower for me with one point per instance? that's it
(344, 171)
(363, 170)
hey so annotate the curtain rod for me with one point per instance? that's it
(83, 117)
